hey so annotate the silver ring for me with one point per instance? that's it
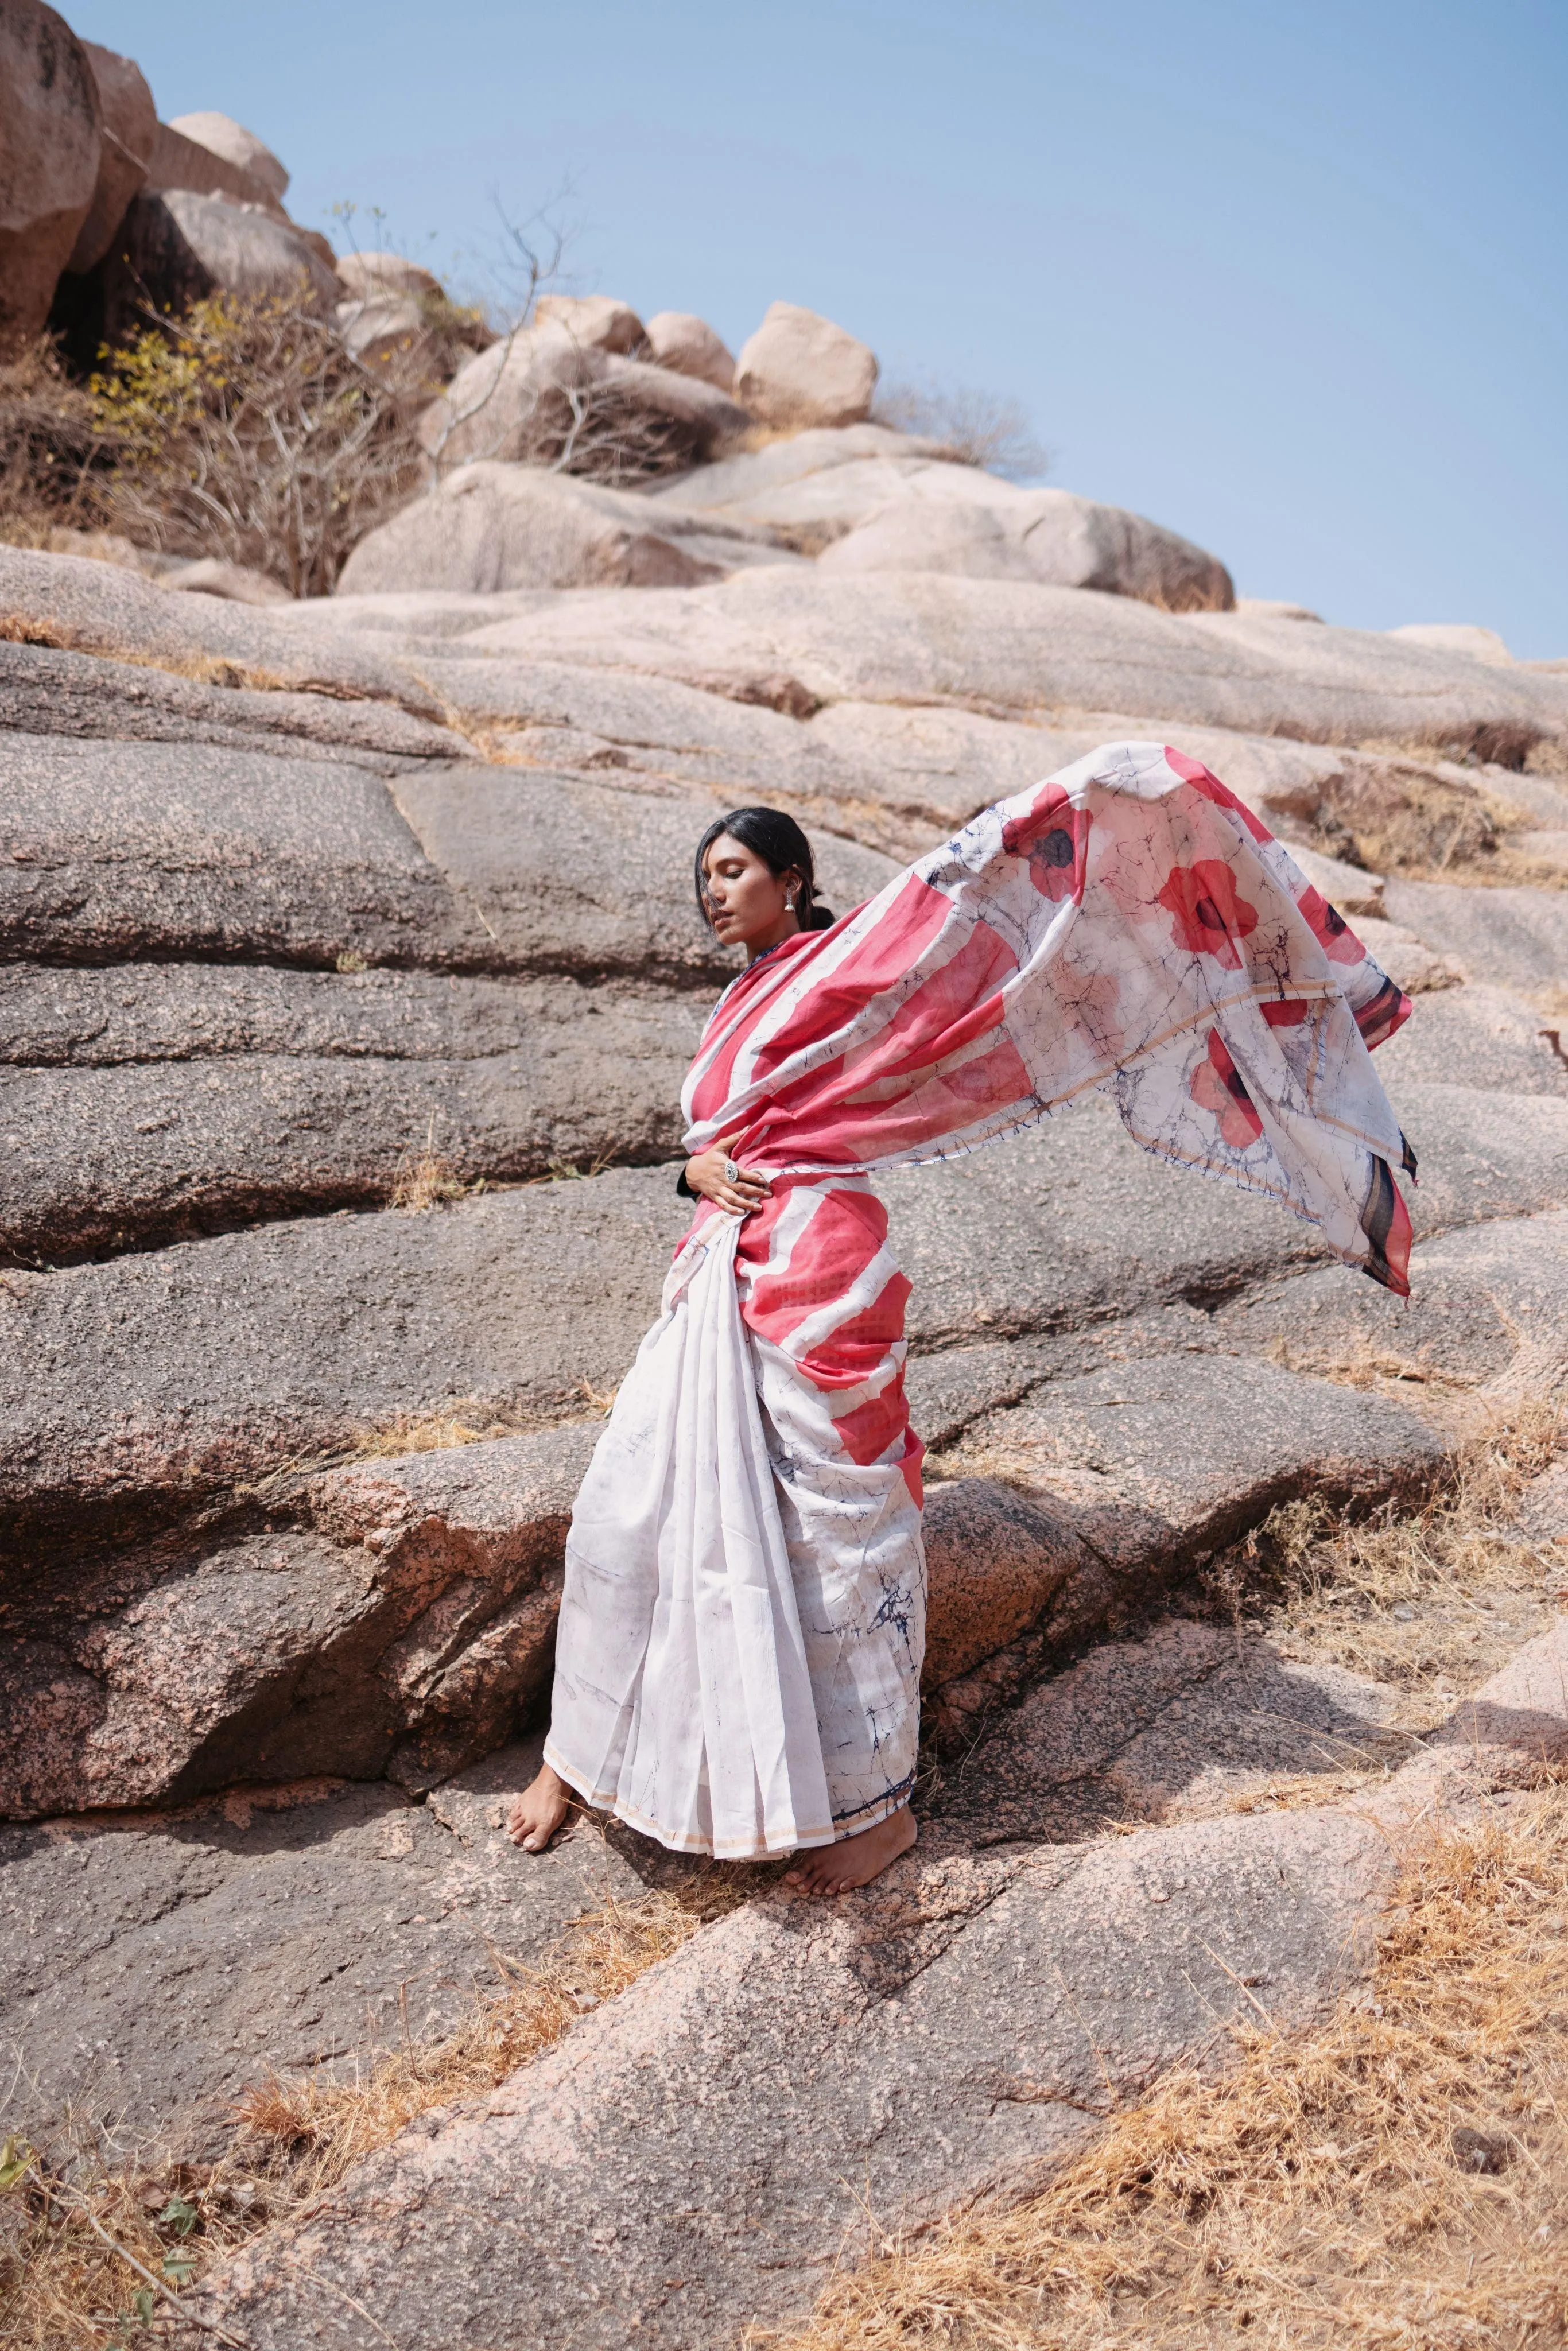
(731, 1172)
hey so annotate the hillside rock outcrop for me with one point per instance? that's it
(129, 121)
(51, 149)
(531, 393)
(348, 966)
(222, 136)
(799, 370)
(677, 339)
(490, 526)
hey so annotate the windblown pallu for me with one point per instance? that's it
(743, 1620)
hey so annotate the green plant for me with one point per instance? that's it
(246, 430)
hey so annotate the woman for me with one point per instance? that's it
(742, 1624)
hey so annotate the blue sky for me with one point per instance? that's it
(1288, 277)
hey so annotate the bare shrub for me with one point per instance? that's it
(55, 455)
(975, 428)
(248, 432)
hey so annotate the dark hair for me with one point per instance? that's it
(783, 848)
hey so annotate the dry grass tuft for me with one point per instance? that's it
(1324, 2190)
(1428, 1600)
(468, 1422)
(70, 2234)
(1400, 818)
(427, 1181)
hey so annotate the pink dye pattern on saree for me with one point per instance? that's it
(743, 1620)
(1128, 925)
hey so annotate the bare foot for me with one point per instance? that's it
(533, 1818)
(855, 1860)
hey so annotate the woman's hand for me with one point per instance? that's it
(740, 1193)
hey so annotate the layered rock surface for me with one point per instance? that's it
(349, 969)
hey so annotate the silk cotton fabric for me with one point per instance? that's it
(743, 1619)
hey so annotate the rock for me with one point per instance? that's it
(1156, 1465)
(492, 526)
(504, 1304)
(274, 1093)
(1348, 887)
(399, 1619)
(1477, 1297)
(501, 401)
(532, 395)
(187, 246)
(1457, 637)
(376, 277)
(1410, 963)
(709, 417)
(941, 2039)
(1521, 1711)
(1068, 1225)
(912, 637)
(595, 322)
(45, 691)
(995, 1561)
(892, 505)
(72, 604)
(513, 1301)
(109, 1016)
(1265, 608)
(1550, 848)
(798, 369)
(379, 331)
(236, 581)
(1176, 1724)
(1009, 533)
(688, 345)
(757, 483)
(130, 126)
(229, 140)
(1484, 1153)
(268, 1094)
(186, 852)
(511, 843)
(1512, 938)
(179, 161)
(1476, 1037)
(51, 149)
(269, 1931)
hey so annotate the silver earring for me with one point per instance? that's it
(789, 900)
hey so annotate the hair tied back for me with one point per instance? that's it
(783, 848)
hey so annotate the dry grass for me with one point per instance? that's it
(1316, 2193)
(321, 2127)
(65, 2282)
(1428, 1600)
(1402, 819)
(426, 1181)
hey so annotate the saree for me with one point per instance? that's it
(742, 1622)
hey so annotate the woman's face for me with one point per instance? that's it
(747, 904)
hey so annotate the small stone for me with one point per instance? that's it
(1478, 2151)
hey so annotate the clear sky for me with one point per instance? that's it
(1289, 275)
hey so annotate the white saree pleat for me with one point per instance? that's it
(682, 1697)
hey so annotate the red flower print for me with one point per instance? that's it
(1285, 1012)
(1209, 912)
(1334, 934)
(1054, 837)
(1216, 1085)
